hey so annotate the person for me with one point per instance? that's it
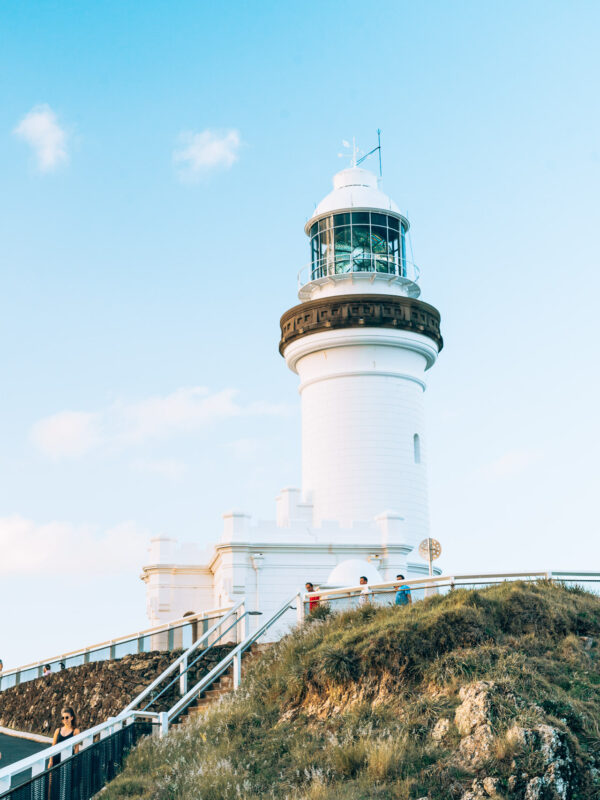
(403, 596)
(63, 665)
(365, 592)
(46, 671)
(313, 602)
(67, 730)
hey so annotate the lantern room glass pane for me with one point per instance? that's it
(341, 219)
(379, 244)
(379, 219)
(394, 251)
(403, 253)
(393, 223)
(360, 217)
(361, 248)
(314, 257)
(343, 247)
(379, 239)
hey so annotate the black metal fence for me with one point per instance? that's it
(82, 775)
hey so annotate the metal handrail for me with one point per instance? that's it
(202, 654)
(232, 658)
(154, 631)
(340, 265)
(183, 657)
(451, 580)
(37, 761)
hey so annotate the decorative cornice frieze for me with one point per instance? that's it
(360, 311)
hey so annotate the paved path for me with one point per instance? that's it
(13, 748)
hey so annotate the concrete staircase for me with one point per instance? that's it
(221, 687)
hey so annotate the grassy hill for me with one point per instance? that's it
(491, 693)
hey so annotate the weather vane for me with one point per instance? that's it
(355, 161)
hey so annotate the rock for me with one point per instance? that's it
(558, 761)
(491, 785)
(476, 792)
(442, 726)
(482, 789)
(477, 747)
(534, 789)
(472, 718)
(476, 706)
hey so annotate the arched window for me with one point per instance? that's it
(417, 448)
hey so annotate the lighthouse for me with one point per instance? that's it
(361, 341)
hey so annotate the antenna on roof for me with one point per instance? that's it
(370, 153)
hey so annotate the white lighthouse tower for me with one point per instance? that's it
(361, 342)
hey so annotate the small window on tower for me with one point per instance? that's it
(417, 447)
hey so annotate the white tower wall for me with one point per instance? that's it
(362, 405)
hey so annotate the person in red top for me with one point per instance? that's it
(313, 602)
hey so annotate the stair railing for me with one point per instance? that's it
(186, 667)
(37, 762)
(181, 662)
(232, 659)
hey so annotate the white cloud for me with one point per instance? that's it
(40, 129)
(199, 153)
(170, 468)
(245, 448)
(29, 548)
(70, 434)
(511, 464)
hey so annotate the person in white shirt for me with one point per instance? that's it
(365, 595)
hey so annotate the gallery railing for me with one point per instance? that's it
(175, 635)
(349, 597)
(362, 263)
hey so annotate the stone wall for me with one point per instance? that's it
(95, 691)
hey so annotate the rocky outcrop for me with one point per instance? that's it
(557, 763)
(544, 763)
(95, 691)
(473, 719)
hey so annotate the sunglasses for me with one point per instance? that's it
(66, 716)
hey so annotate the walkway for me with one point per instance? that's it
(14, 748)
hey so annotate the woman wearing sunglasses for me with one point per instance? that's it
(67, 730)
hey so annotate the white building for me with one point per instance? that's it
(360, 342)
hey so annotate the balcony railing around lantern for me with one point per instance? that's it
(364, 264)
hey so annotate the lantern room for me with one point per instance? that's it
(358, 229)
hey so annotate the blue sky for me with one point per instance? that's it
(158, 161)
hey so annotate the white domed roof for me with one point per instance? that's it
(348, 573)
(354, 187)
